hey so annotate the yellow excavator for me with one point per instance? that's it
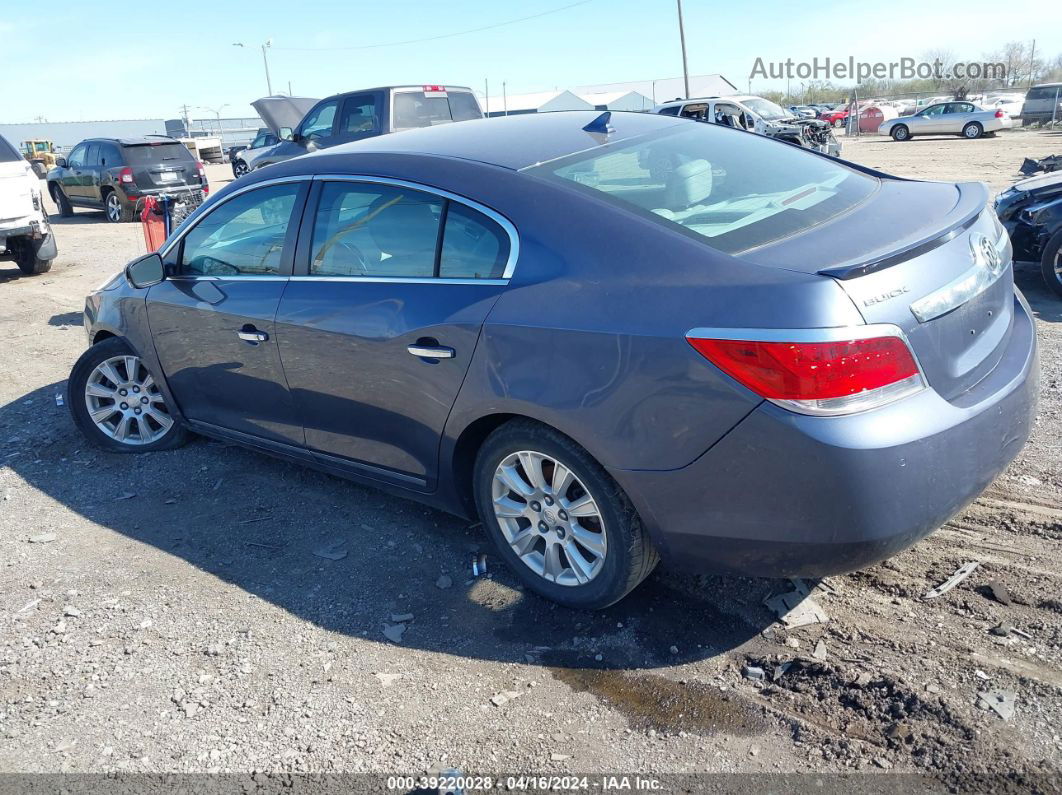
(41, 155)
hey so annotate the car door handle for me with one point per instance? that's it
(252, 335)
(431, 351)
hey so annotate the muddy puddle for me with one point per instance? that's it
(651, 701)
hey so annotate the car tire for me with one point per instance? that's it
(66, 210)
(239, 168)
(27, 260)
(116, 209)
(97, 381)
(973, 131)
(900, 133)
(1051, 264)
(585, 561)
(838, 123)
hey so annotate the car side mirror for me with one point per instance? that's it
(60, 162)
(145, 271)
(286, 134)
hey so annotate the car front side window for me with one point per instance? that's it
(77, 157)
(319, 123)
(243, 236)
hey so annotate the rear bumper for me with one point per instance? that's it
(785, 495)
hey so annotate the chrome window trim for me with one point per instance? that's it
(494, 215)
(830, 334)
(165, 252)
(498, 218)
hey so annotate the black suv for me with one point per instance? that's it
(112, 174)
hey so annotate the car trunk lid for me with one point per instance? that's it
(926, 258)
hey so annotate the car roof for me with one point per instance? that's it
(414, 86)
(512, 142)
(727, 97)
(139, 140)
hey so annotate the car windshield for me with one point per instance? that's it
(765, 109)
(732, 189)
(8, 153)
(142, 154)
(417, 109)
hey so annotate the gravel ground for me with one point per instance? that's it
(173, 612)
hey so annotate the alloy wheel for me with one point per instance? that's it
(1057, 264)
(125, 403)
(114, 207)
(548, 518)
(240, 168)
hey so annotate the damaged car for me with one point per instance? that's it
(25, 235)
(1031, 211)
(616, 338)
(758, 115)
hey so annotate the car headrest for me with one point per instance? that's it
(404, 228)
(689, 184)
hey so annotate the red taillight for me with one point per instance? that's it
(820, 377)
(1000, 114)
(125, 176)
(202, 177)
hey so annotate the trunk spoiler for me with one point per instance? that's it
(973, 197)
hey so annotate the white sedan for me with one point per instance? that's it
(947, 118)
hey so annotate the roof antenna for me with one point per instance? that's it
(601, 124)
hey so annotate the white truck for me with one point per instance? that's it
(25, 234)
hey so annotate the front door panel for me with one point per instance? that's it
(215, 376)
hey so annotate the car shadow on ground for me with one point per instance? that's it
(67, 319)
(1045, 304)
(78, 218)
(347, 558)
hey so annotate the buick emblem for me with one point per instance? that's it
(986, 254)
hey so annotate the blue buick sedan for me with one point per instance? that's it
(614, 340)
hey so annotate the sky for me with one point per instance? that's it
(74, 63)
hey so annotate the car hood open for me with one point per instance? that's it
(280, 111)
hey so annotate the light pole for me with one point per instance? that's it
(265, 61)
(682, 40)
(217, 115)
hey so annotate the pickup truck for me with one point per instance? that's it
(25, 235)
(355, 115)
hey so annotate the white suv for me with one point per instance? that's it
(25, 235)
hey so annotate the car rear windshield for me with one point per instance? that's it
(733, 189)
(8, 153)
(142, 154)
(417, 109)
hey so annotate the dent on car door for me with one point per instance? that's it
(379, 323)
(213, 320)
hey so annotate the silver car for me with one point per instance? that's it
(947, 118)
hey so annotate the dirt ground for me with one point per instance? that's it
(167, 612)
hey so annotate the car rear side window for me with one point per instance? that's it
(359, 115)
(474, 246)
(368, 230)
(243, 236)
(145, 154)
(110, 156)
(732, 189)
